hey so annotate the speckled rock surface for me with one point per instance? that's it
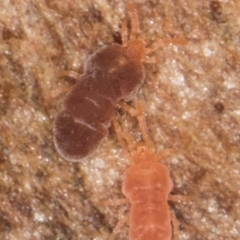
(191, 99)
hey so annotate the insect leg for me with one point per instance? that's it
(119, 225)
(127, 108)
(116, 202)
(178, 198)
(175, 225)
(148, 59)
(162, 42)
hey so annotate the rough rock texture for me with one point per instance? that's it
(191, 99)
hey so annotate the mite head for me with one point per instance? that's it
(136, 49)
(143, 154)
(135, 46)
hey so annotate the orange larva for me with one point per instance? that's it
(147, 185)
(111, 74)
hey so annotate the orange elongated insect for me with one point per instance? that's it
(147, 185)
(111, 74)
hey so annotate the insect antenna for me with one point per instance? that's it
(126, 141)
(138, 113)
(143, 125)
(124, 33)
(134, 21)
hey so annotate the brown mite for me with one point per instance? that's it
(111, 74)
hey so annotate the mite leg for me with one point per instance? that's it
(175, 225)
(62, 90)
(127, 108)
(178, 198)
(165, 153)
(116, 202)
(70, 74)
(162, 42)
(148, 59)
(54, 94)
(119, 225)
(134, 21)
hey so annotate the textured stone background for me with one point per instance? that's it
(191, 99)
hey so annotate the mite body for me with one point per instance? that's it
(147, 185)
(111, 74)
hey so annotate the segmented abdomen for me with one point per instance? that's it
(147, 189)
